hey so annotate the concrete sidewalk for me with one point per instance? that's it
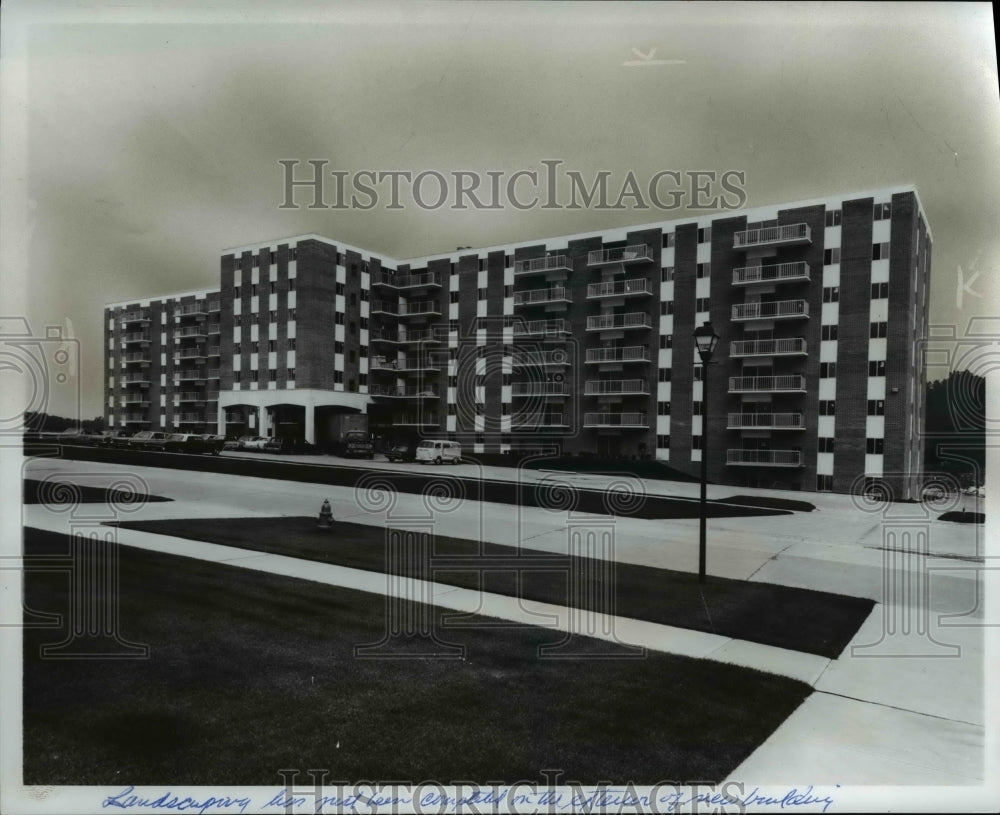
(894, 708)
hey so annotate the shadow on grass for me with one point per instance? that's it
(251, 672)
(64, 492)
(797, 619)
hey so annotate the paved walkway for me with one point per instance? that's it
(895, 708)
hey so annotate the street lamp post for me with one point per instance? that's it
(705, 341)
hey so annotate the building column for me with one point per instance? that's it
(265, 420)
(310, 429)
(220, 420)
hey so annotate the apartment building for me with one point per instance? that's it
(581, 344)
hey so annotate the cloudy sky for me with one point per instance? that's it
(141, 141)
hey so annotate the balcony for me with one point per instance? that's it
(404, 337)
(772, 310)
(616, 387)
(552, 263)
(622, 420)
(610, 322)
(214, 328)
(409, 281)
(409, 364)
(213, 373)
(383, 308)
(424, 308)
(135, 337)
(775, 273)
(402, 392)
(788, 235)
(191, 396)
(537, 297)
(136, 379)
(786, 383)
(429, 419)
(630, 353)
(191, 418)
(138, 316)
(537, 421)
(213, 350)
(141, 401)
(619, 288)
(538, 389)
(790, 346)
(190, 353)
(191, 331)
(136, 356)
(623, 254)
(198, 309)
(213, 306)
(764, 458)
(136, 418)
(189, 376)
(545, 327)
(765, 421)
(526, 359)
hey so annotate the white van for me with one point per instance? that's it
(439, 451)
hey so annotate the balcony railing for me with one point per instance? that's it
(190, 353)
(764, 458)
(213, 373)
(538, 389)
(213, 305)
(137, 418)
(608, 387)
(619, 288)
(552, 263)
(772, 310)
(769, 348)
(135, 400)
(428, 363)
(192, 309)
(541, 327)
(135, 317)
(526, 359)
(532, 421)
(766, 421)
(785, 383)
(214, 328)
(615, 420)
(775, 273)
(191, 331)
(555, 294)
(135, 336)
(407, 281)
(623, 254)
(403, 337)
(191, 396)
(606, 322)
(421, 308)
(384, 307)
(766, 236)
(189, 376)
(136, 379)
(403, 392)
(191, 418)
(138, 356)
(630, 353)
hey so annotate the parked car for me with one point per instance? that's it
(214, 443)
(439, 451)
(107, 438)
(231, 443)
(401, 452)
(252, 443)
(147, 440)
(121, 441)
(186, 443)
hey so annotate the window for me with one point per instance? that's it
(874, 447)
(338, 317)
(831, 294)
(237, 262)
(667, 307)
(254, 347)
(705, 235)
(701, 304)
(294, 254)
(340, 259)
(291, 284)
(236, 292)
(273, 287)
(825, 444)
(880, 251)
(697, 372)
(338, 289)
(827, 407)
(291, 314)
(236, 348)
(338, 347)
(253, 289)
(254, 376)
(665, 374)
(508, 291)
(237, 320)
(704, 269)
(882, 212)
(273, 258)
(667, 341)
(663, 442)
(508, 261)
(452, 325)
(876, 407)
(482, 264)
(696, 442)
(829, 332)
(697, 408)
(363, 380)
(505, 380)
(833, 217)
(272, 375)
(482, 294)
(831, 256)
(364, 323)
(878, 330)
(338, 377)
(668, 240)
(824, 483)
(291, 374)
(272, 345)
(453, 380)
(876, 367)
(880, 291)
(666, 274)
(452, 410)
(827, 370)
(272, 316)
(364, 295)
(663, 408)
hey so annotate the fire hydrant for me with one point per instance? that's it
(325, 515)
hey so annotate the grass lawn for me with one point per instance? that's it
(251, 672)
(62, 492)
(798, 619)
